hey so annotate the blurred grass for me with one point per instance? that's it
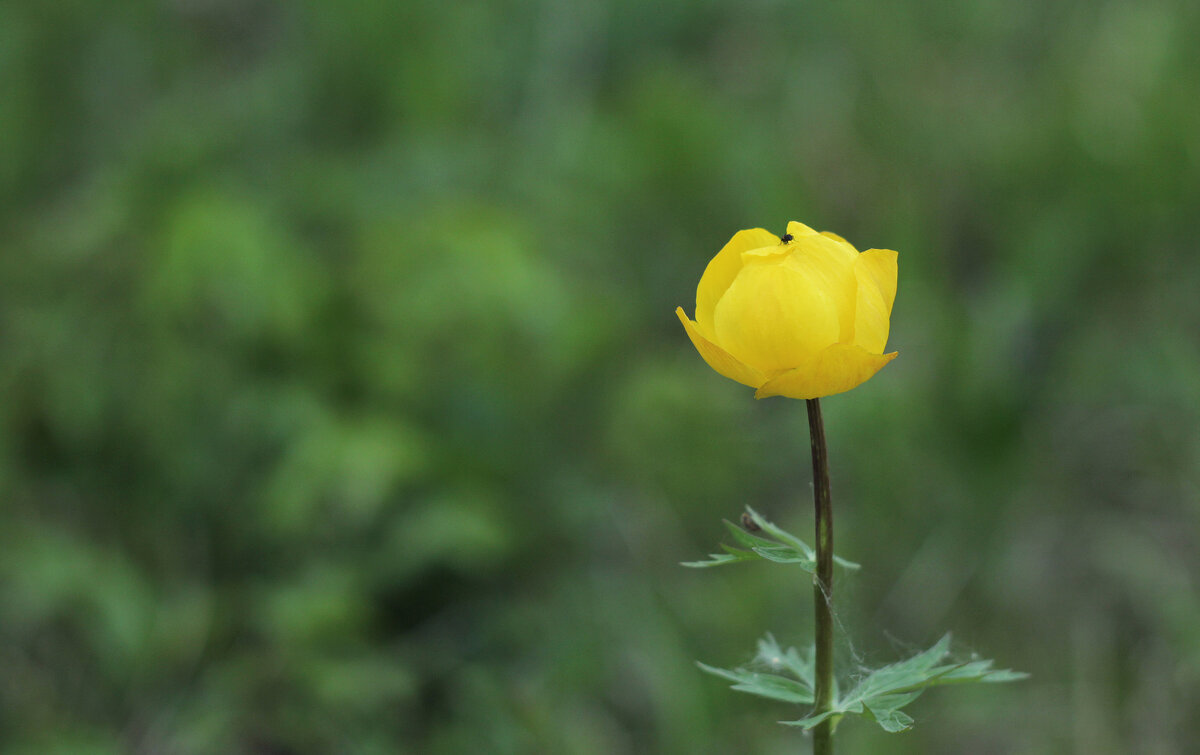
(342, 406)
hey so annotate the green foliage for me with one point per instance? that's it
(781, 547)
(799, 688)
(879, 694)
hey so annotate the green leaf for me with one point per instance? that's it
(905, 674)
(810, 721)
(893, 702)
(964, 671)
(770, 654)
(776, 545)
(731, 556)
(764, 685)
(977, 671)
(747, 539)
(715, 559)
(879, 695)
(850, 565)
(785, 555)
(890, 720)
(780, 534)
(1003, 675)
(884, 691)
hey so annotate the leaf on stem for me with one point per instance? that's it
(772, 682)
(772, 686)
(883, 692)
(787, 675)
(775, 545)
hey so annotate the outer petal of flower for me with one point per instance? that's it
(836, 369)
(842, 243)
(830, 266)
(798, 229)
(875, 270)
(829, 269)
(719, 359)
(836, 237)
(775, 316)
(721, 271)
(881, 265)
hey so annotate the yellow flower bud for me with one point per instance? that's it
(803, 316)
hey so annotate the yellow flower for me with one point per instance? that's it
(803, 316)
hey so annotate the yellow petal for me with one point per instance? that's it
(870, 319)
(881, 265)
(841, 242)
(875, 271)
(799, 229)
(836, 369)
(835, 237)
(791, 301)
(775, 314)
(718, 358)
(721, 271)
(830, 265)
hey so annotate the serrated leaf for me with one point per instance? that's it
(744, 555)
(791, 541)
(893, 702)
(771, 655)
(905, 674)
(879, 695)
(885, 709)
(777, 688)
(973, 671)
(926, 659)
(784, 555)
(764, 685)
(884, 691)
(1004, 675)
(891, 720)
(810, 721)
(788, 538)
(718, 559)
(785, 548)
(970, 670)
(780, 534)
(852, 566)
(747, 539)
(733, 676)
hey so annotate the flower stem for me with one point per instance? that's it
(823, 579)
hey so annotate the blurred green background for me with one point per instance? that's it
(343, 408)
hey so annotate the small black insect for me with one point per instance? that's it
(787, 238)
(749, 523)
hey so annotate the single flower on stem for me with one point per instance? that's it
(802, 316)
(805, 316)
